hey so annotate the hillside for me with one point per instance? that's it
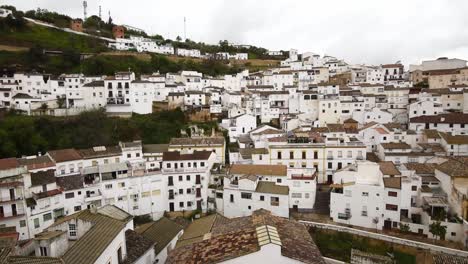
(22, 44)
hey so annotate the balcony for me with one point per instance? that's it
(274, 203)
(4, 200)
(93, 196)
(187, 170)
(18, 213)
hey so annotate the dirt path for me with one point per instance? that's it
(12, 48)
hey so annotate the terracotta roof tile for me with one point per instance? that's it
(63, 155)
(253, 169)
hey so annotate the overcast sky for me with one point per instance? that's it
(359, 31)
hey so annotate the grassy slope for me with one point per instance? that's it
(50, 38)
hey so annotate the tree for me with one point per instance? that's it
(404, 228)
(60, 102)
(438, 230)
(44, 106)
(178, 38)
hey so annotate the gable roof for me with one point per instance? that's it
(392, 182)
(137, 246)
(455, 167)
(198, 141)
(100, 152)
(388, 168)
(253, 169)
(394, 145)
(42, 177)
(63, 155)
(452, 118)
(196, 155)
(272, 188)
(161, 232)
(92, 244)
(39, 162)
(232, 238)
(8, 163)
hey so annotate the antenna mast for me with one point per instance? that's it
(85, 5)
(185, 30)
(100, 13)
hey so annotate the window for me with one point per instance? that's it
(22, 223)
(181, 191)
(278, 180)
(279, 154)
(391, 207)
(274, 201)
(330, 165)
(262, 198)
(189, 191)
(304, 155)
(365, 194)
(315, 154)
(414, 188)
(129, 155)
(181, 178)
(181, 204)
(291, 155)
(43, 251)
(47, 217)
(307, 195)
(231, 198)
(36, 222)
(392, 194)
(69, 195)
(187, 177)
(72, 230)
(77, 208)
(246, 195)
(296, 195)
(108, 186)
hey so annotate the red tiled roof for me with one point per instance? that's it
(8, 163)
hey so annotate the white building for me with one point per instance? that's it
(239, 125)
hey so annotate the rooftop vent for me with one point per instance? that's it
(268, 234)
(99, 148)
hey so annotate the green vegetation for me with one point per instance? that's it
(69, 62)
(338, 245)
(16, 32)
(27, 135)
(438, 230)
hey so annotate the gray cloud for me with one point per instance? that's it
(360, 31)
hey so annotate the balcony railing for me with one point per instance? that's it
(10, 199)
(19, 213)
(191, 169)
